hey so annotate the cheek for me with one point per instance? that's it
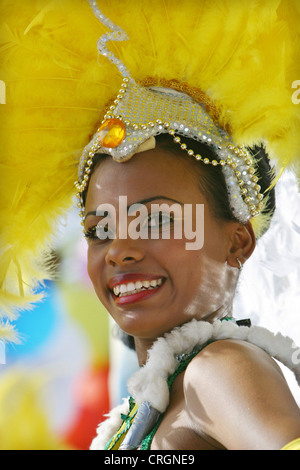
(95, 263)
(203, 278)
(209, 285)
(90, 264)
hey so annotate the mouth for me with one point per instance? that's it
(132, 290)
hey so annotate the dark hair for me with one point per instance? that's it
(211, 183)
(211, 178)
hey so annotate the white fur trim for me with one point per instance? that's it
(149, 383)
(110, 426)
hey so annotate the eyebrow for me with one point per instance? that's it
(142, 201)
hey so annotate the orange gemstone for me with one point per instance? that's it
(111, 133)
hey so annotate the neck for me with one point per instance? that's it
(143, 345)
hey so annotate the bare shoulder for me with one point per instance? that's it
(237, 394)
(233, 357)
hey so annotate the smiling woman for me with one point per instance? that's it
(153, 285)
(174, 187)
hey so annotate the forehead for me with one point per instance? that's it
(155, 172)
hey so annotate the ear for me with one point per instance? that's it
(242, 245)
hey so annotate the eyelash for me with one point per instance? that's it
(90, 233)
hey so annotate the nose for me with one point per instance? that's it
(124, 252)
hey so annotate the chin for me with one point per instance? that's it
(146, 326)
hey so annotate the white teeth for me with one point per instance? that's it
(130, 287)
(134, 287)
(123, 288)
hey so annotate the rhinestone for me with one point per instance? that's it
(111, 133)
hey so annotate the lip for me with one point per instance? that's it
(134, 298)
(133, 277)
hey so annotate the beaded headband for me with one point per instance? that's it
(140, 113)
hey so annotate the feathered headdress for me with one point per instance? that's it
(244, 55)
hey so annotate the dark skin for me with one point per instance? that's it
(226, 397)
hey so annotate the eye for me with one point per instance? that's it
(160, 220)
(100, 233)
(90, 233)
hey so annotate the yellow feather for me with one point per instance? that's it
(244, 55)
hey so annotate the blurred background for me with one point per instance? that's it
(71, 368)
(54, 385)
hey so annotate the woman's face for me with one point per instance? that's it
(150, 285)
